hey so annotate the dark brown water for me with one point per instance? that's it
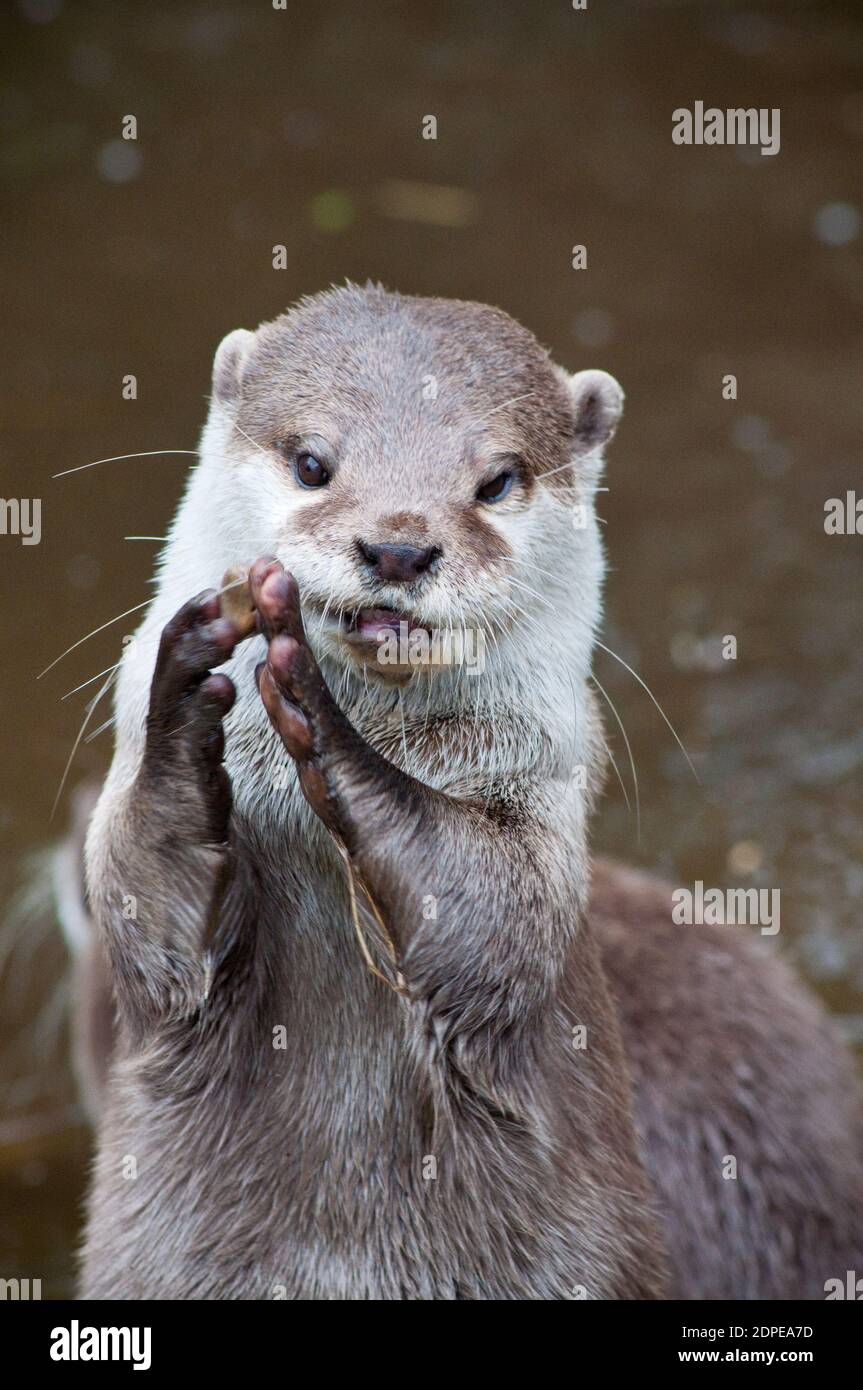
(302, 128)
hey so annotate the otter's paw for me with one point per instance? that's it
(316, 733)
(182, 768)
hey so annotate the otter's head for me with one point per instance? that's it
(423, 468)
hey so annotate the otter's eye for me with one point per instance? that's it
(310, 471)
(495, 490)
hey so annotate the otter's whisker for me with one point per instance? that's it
(229, 417)
(404, 732)
(116, 458)
(512, 611)
(179, 729)
(486, 627)
(143, 454)
(145, 538)
(479, 693)
(101, 729)
(81, 732)
(90, 681)
(617, 774)
(646, 687)
(235, 583)
(498, 620)
(95, 631)
(611, 705)
(589, 457)
(549, 574)
(496, 630)
(323, 618)
(428, 709)
(540, 598)
(512, 401)
(254, 443)
(605, 746)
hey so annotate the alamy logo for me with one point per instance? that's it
(736, 126)
(20, 1289)
(851, 1287)
(21, 516)
(77, 1343)
(415, 646)
(843, 516)
(718, 907)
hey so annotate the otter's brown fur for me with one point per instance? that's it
(731, 1059)
(277, 1122)
(728, 1058)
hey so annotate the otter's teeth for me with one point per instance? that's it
(372, 623)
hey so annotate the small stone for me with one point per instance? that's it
(236, 600)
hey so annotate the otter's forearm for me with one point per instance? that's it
(473, 895)
(158, 898)
(482, 910)
(161, 867)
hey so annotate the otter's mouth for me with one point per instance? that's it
(372, 624)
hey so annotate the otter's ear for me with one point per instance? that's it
(597, 403)
(228, 365)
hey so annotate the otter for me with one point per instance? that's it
(379, 1027)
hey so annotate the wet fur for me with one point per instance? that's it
(302, 1172)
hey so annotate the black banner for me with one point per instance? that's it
(76, 1339)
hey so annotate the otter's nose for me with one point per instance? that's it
(399, 563)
